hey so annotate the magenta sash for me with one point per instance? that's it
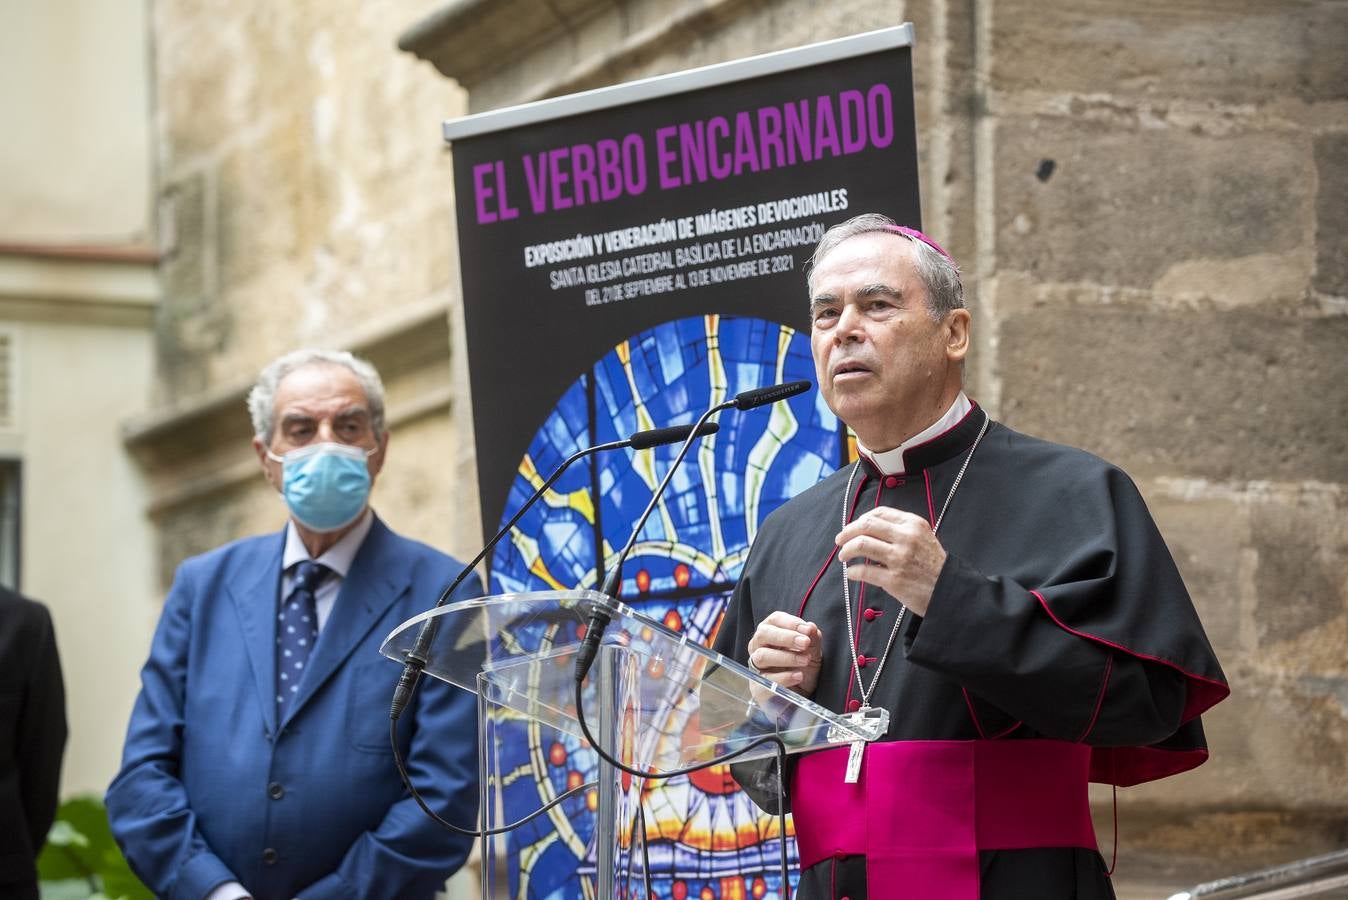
(922, 810)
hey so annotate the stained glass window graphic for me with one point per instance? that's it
(705, 838)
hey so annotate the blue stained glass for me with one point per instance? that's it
(680, 572)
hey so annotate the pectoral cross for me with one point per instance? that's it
(871, 723)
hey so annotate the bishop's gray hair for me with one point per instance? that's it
(939, 273)
(262, 398)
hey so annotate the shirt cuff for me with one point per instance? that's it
(230, 890)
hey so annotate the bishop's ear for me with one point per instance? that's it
(957, 324)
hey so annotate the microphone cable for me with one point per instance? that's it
(467, 832)
(417, 657)
(780, 749)
(601, 615)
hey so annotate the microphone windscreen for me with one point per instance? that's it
(671, 435)
(765, 395)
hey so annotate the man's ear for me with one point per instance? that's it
(270, 468)
(376, 461)
(957, 325)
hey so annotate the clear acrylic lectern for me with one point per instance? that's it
(654, 699)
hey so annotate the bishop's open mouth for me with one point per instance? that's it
(849, 368)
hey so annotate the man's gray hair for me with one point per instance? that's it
(262, 398)
(939, 273)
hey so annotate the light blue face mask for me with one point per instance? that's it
(326, 486)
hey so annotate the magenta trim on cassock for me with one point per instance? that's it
(922, 810)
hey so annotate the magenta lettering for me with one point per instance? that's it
(483, 192)
(825, 127)
(665, 157)
(718, 162)
(798, 131)
(582, 170)
(610, 172)
(853, 121)
(693, 152)
(880, 106)
(770, 137)
(538, 182)
(693, 147)
(559, 177)
(746, 148)
(634, 164)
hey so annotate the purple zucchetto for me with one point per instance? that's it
(919, 236)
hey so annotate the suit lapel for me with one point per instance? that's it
(378, 576)
(254, 591)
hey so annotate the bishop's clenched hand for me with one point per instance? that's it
(895, 551)
(787, 650)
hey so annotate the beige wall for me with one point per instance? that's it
(74, 164)
(86, 542)
(78, 293)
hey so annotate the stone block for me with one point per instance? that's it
(1164, 851)
(270, 199)
(1274, 745)
(944, 83)
(191, 530)
(1270, 280)
(653, 37)
(420, 498)
(1208, 538)
(1297, 737)
(1331, 213)
(184, 230)
(1301, 584)
(1237, 51)
(1078, 201)
(190, 320)
(1223, 396)
(766, 27)
(219, 73)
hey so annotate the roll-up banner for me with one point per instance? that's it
(631, 256)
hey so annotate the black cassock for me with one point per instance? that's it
(1059, 614)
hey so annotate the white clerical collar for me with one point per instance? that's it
(890, 462)
(339, 556)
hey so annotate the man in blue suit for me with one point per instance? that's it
(257, 762)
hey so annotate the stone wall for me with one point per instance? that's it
(305, 200)
(1164, 243)
(1147, 198)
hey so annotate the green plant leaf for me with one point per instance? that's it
(65, 889)
(65, 861)
(63, 834)
(120, 882)
(85, 849)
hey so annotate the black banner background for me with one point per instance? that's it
(527, 341)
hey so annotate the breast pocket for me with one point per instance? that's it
(371, 692)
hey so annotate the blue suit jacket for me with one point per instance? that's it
(212, 788)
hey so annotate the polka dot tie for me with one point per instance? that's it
(296, 631)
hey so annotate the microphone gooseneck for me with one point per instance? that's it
(415, 660)
(602, 614)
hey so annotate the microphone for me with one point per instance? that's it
(416, 658)
(601, 616)
(765, 395)
(657, 437)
